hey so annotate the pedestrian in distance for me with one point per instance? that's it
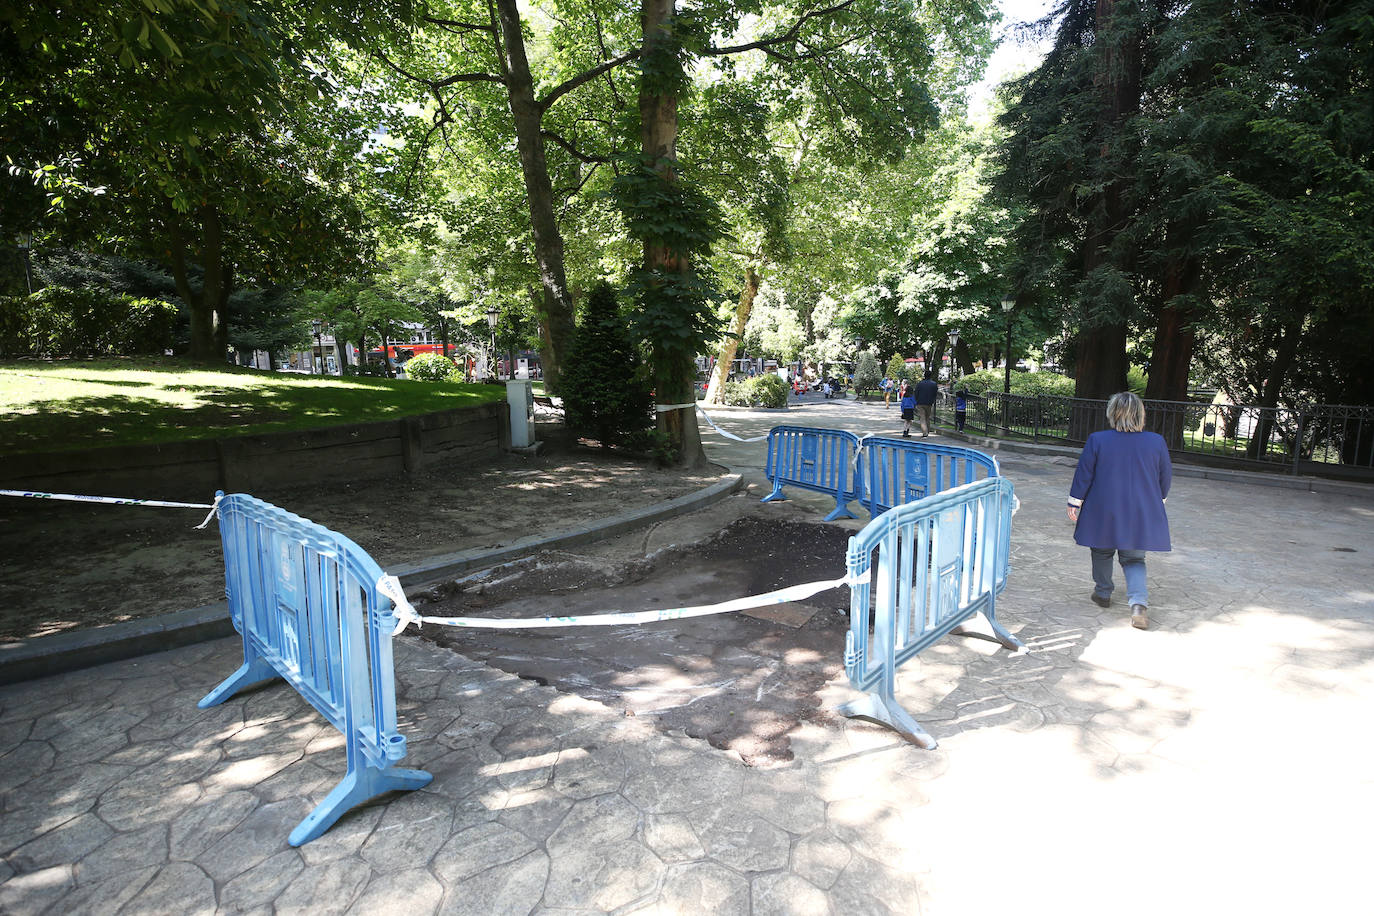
(886, 387)
(960, 409)
(906, 400)
(927, 390)
(1117, 502)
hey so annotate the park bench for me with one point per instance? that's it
(306, 602)
(940, 561)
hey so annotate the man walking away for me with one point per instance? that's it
(926, 391)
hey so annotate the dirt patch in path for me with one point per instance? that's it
(741, 681)
(67, 566)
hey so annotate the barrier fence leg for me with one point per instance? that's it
(1004, 637)
(841, 510)
(889, 713)
(255, 671)
(357, 787)
(776, 494)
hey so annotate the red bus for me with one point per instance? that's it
(403, 351)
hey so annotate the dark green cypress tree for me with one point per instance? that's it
(605, 392)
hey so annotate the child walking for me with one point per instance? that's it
(906, 400)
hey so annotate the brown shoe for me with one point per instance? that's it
(1100, 601)
(1138, 618)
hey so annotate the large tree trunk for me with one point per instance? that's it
(674, 372)
(1172, 354)
(555, 310)
(206, 307)
(726, 357)
(1284, 356)
(1101, 367)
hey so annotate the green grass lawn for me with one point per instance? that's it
(55, 406)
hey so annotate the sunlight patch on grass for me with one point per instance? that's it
(57, 406)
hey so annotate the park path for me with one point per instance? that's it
(1218, 760)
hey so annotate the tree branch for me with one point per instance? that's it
(567, 145)
(581, 184)
(438, 84)
(467, 78)
(585, 77)
(763, 44)
(454, 25)
(601, 42)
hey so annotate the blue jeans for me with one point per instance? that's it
(1132, 565)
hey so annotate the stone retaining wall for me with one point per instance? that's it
(192, 471)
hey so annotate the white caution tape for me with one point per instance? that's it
(727, 435)
(664, 408)
(119, 501)
(214, 510)
(391, 587)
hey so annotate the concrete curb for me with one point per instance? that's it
(45, 655)
(447, 566)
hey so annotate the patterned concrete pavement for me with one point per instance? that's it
(1217, 760)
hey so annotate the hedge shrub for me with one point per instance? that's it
(765, 390)
(1022, 383)
(60, 322)
(433, 367)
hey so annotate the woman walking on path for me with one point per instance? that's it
(1117, 500)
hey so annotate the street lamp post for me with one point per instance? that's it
(1008, 303)
(953, 364)
(491, 324)
(25, 244)
(316, 326)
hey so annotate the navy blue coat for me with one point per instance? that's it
(926, 391)
(1120, 487)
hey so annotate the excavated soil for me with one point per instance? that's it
(741, 681)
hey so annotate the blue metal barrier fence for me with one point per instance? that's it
(940, 561)
(305, 600)
(824, 460)
(901, 471)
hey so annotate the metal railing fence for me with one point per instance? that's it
(1332, 440)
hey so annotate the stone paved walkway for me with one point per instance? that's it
(1217, 762)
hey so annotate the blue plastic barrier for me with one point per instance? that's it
(900, 471)
(305, 600)
(939, 562)
(824, 460)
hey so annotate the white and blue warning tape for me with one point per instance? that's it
(726, 434)
(390, 586)
(118, 501)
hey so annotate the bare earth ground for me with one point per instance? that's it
(66, 566)
(742, 682)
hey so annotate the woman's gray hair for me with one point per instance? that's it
(1126, 412)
